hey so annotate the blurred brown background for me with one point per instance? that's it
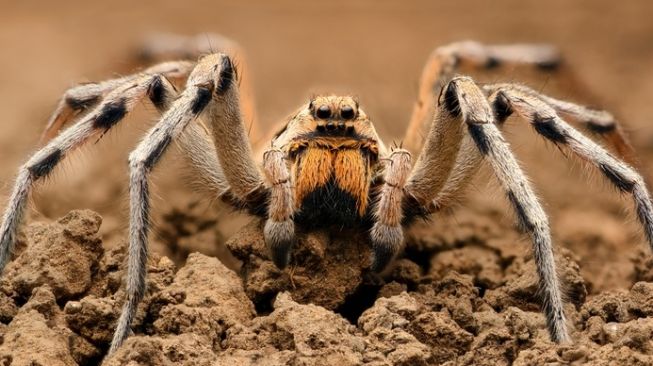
(374, 49)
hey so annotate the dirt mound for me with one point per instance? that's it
(462, 296)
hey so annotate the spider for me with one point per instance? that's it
(327, 167)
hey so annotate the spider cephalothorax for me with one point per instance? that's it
(327, 168)
(320, 171)
(333, 151)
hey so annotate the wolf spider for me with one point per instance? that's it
(327, 167)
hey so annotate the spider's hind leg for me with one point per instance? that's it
(109, 112)
(448, 60)
(82, 98)
(541, 113)
(596, 121)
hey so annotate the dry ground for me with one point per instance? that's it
(374, 49)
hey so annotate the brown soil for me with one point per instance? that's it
(464, 291)
(466, 298)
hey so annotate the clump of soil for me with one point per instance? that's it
(325, 270)
(462, 294)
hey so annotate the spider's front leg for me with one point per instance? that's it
(463, 104)
(211, 91)
(159, 47)
(414, 190)
(273, 197)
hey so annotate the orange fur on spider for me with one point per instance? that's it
(345, 161)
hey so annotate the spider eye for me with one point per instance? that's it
(323, 112)
(347, 112)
